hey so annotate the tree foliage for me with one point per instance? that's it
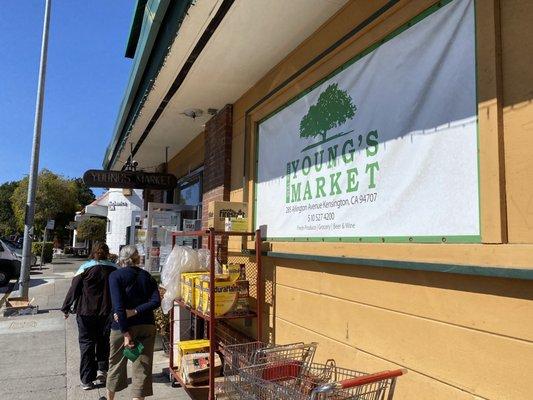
(85, 194)
(333, 108)
(55, 196)
(93, 229)
(48, 252)
(7, 216)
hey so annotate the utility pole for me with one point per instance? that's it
(34, 164)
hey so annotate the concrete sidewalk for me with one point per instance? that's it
(40, 355)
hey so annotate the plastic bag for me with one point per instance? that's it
(181, 259)
(204, 256)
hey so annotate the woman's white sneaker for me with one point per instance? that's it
(87, 386)
(101, 376)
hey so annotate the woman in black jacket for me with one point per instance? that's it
(90, 297)
(135, 296)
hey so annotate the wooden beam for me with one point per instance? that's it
(490, 113)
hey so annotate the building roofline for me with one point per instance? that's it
(155, 34)
(135, 29)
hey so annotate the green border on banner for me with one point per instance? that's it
(373, 239)
(477, 121)
(256, 127)
(381, 239)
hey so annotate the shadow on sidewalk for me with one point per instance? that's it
(37, 282)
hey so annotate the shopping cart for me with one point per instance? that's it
(286, 380)
(296, 357)
(242, 355)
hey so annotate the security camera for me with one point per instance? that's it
(134, 163)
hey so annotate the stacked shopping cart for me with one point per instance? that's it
(258, 371)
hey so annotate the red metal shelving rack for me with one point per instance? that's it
(212, 321)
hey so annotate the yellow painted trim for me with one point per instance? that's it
(490, 123)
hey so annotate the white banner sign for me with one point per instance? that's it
(385, 148)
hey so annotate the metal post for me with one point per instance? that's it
(42, 248)
(260, 284)
(34, 164)
(212, 315)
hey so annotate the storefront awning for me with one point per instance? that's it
(221, 50)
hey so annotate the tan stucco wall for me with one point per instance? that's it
(460, 336)
(517, 70)
(505, 184)
(187, 160)
(452, 332)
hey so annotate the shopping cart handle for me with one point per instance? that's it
(371, 378)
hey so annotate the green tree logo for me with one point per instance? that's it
(333, 108)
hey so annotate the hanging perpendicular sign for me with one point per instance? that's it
(129, 179)
(50, 224)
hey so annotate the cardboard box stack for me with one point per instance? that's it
(196, 366)
(189, 347)
(232, 291)
(190, 283)
(227, 215)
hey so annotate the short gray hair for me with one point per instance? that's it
(127, 254)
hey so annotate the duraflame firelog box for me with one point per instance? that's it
(218, 211)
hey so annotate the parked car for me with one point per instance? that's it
(13, 243)
(9, 264)
(16, 247)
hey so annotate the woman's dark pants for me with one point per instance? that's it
(94, 345)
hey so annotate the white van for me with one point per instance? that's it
(9, 264)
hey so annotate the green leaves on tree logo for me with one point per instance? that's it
(333, 108)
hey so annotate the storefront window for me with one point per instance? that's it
(189, 193)
(190, 190)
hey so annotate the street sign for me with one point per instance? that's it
(129, 180)
(50, 224)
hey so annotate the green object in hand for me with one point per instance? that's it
(133, 354)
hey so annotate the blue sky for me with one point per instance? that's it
(86, 77)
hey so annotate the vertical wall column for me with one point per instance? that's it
(490, 123)
(217, 163)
